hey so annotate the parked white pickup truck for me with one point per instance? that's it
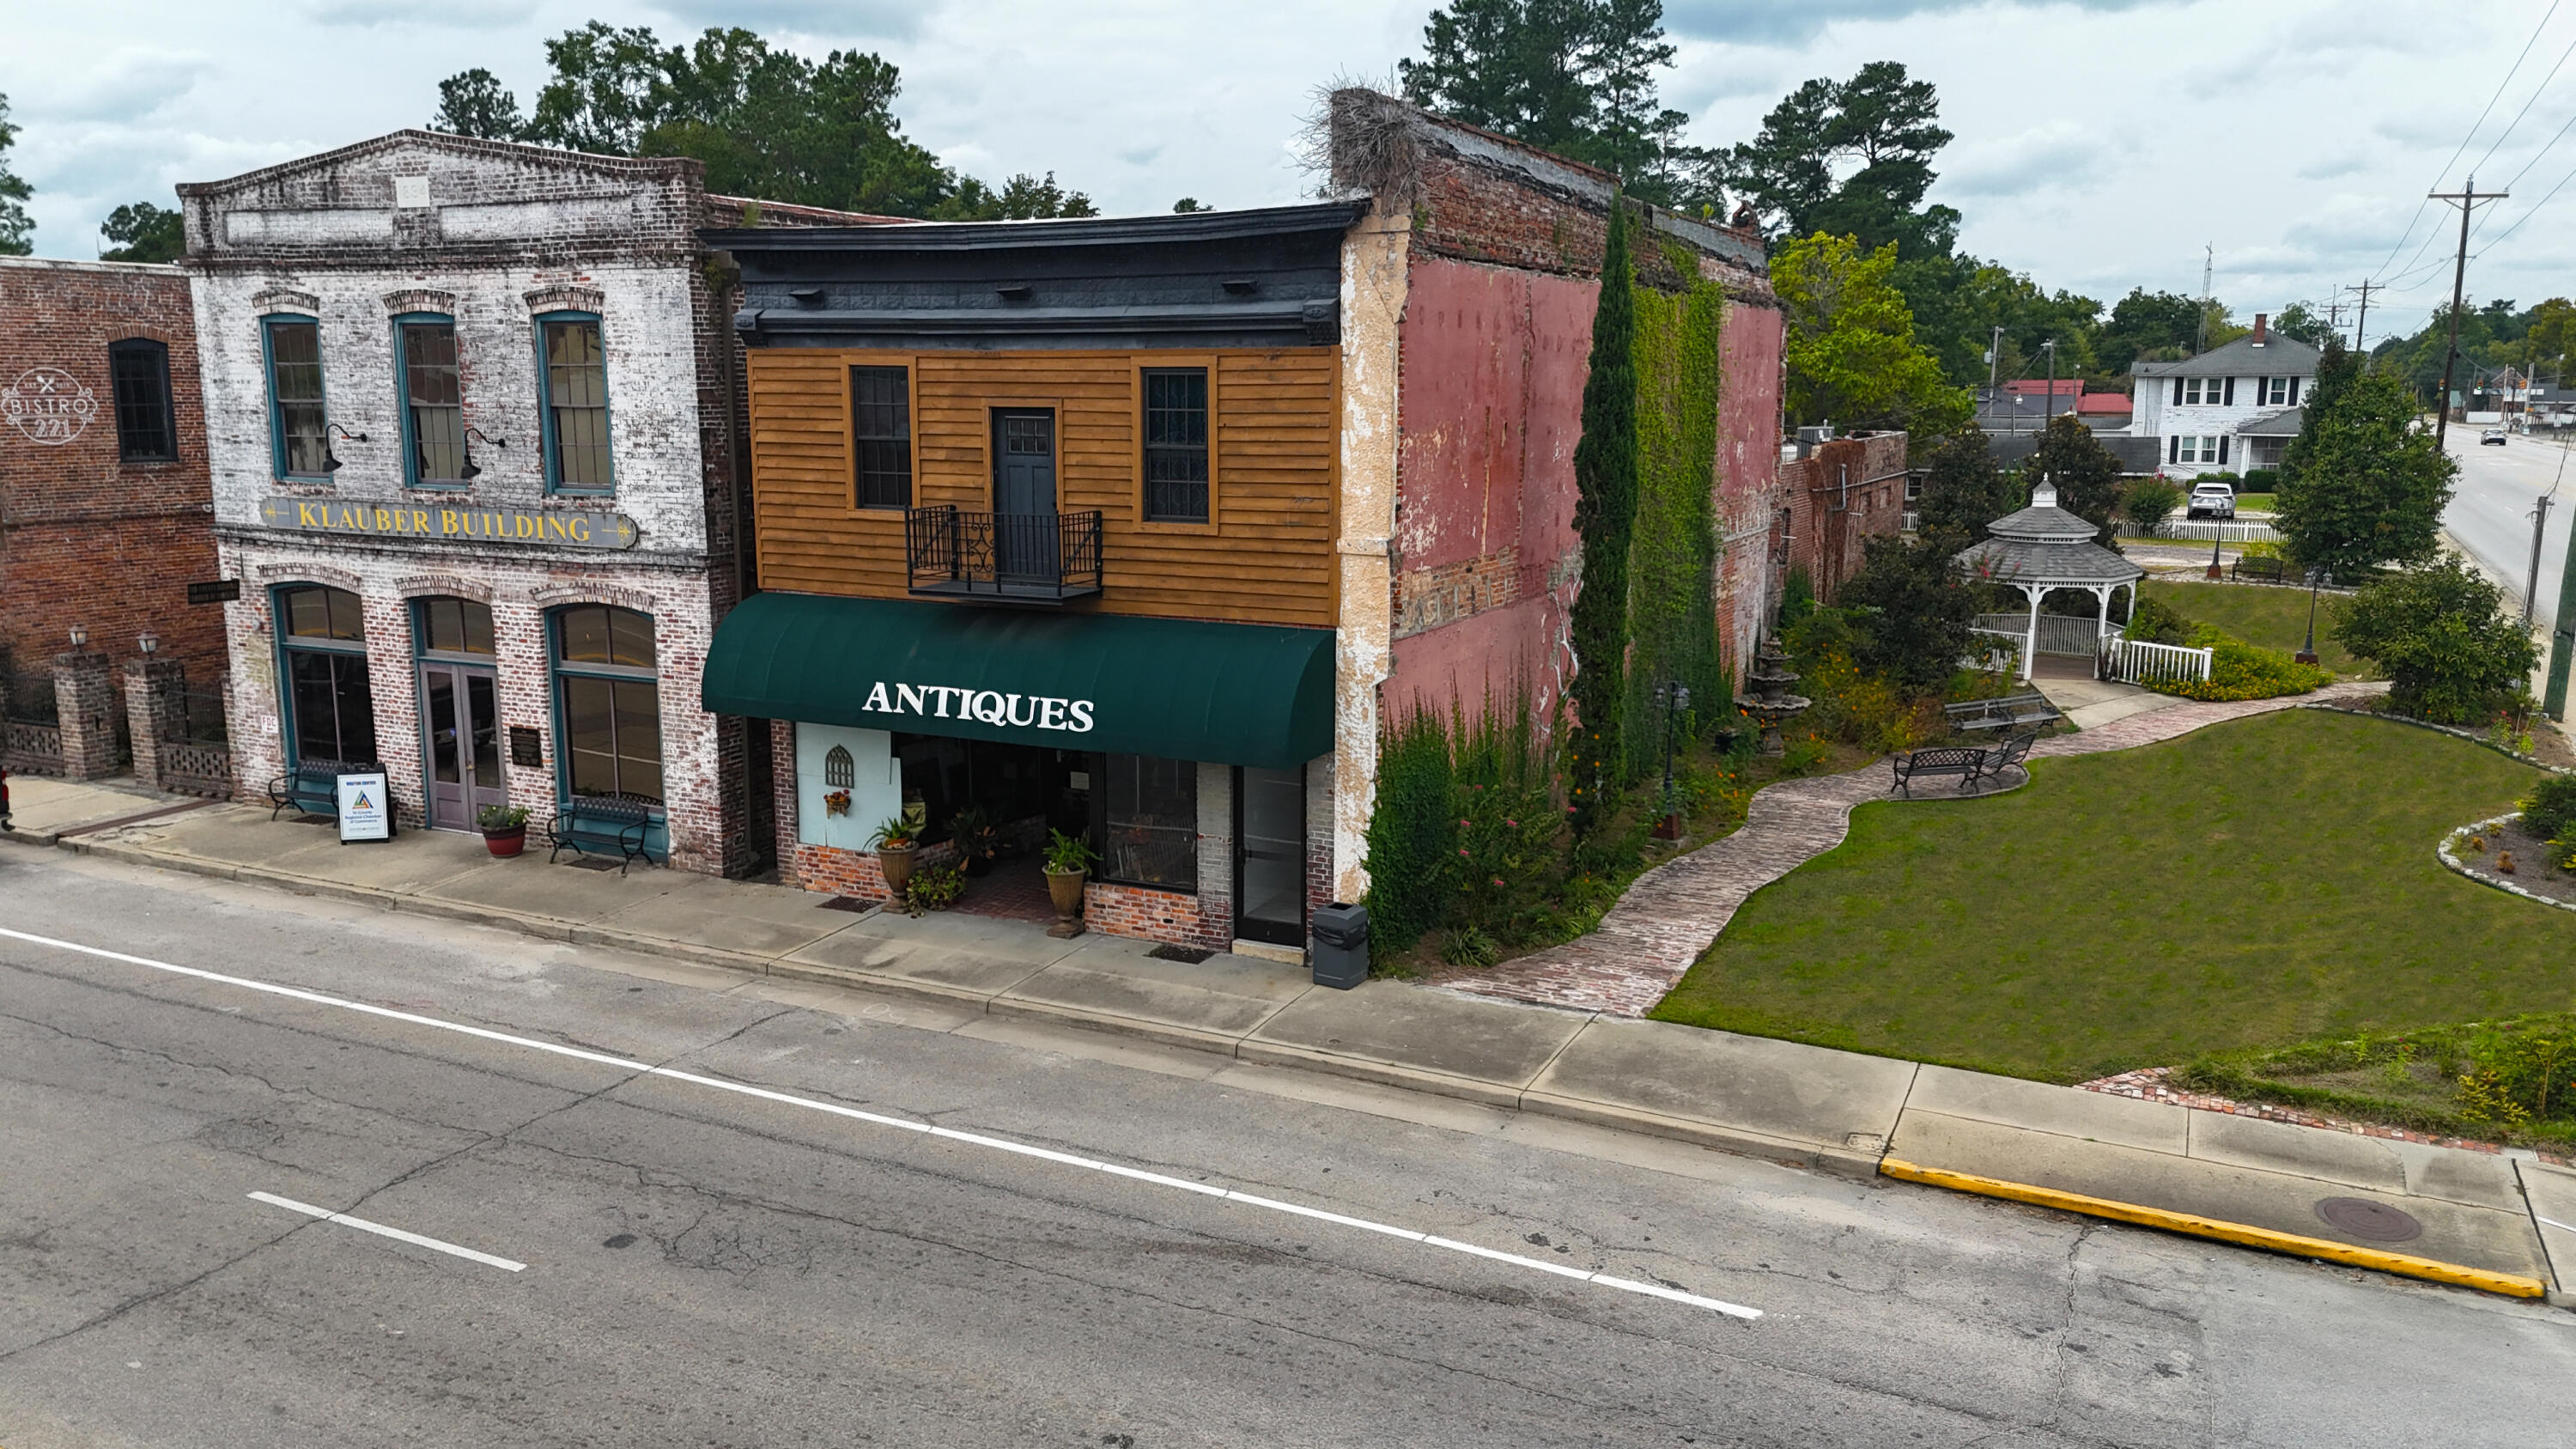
(2212, 499)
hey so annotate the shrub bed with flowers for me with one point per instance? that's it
(2238, 670)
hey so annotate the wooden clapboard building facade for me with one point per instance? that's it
(1132, 528)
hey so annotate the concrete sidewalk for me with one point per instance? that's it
(1838, 1111)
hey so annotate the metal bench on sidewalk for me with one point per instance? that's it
(313, 787)
(608, 824)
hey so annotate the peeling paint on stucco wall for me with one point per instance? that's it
(1748, 469)
(1373, 299)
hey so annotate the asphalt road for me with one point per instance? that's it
(2491, 507)
(707, 1267)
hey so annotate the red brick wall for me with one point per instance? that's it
(1151, 915)
(1846, 493)
(84, 537)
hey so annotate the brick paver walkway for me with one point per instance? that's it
(1673, 912)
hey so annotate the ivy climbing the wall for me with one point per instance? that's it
(1672, 558)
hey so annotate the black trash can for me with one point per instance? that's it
(1340, 951)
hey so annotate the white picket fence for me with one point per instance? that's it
(2222, 530)
(2135, 661)
(2058, 633)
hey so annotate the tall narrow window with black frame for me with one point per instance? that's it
(1176, 445)
(881, 411)
(139, 370)
(575, 381)
(295, 416)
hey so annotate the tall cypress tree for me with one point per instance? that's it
(1605, 517)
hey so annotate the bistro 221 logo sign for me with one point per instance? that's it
(49, 405)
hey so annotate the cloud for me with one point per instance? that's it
(127, 86)
(2328, 168)
(1795, 22)
(443, 15)
(2058, 154)
(872, 19)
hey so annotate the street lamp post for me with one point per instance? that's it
(1674, 697)
(2308, 652)
(2218, 535)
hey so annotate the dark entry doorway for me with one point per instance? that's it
(1025, 541)
(1270, 855)
(462, 714)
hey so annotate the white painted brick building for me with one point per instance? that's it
(2230, 409)
(470, 417)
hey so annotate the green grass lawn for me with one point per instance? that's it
(2251, 884)
(2269, 615)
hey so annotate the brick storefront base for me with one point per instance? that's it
(834, 871)
(1150, 915)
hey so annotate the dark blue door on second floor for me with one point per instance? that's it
(1025, 543)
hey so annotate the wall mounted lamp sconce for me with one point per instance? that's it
(330, 461)
(470, 472)
(148, 642)
(80, 636)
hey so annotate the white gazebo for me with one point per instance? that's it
(2044, 547)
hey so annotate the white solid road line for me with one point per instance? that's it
(362, 1225)
(998, 1144)
(2555, 1223)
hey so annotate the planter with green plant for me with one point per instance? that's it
(894, 842)
(1068, 865)
(504, 827)
(976, 839)
(934, 887)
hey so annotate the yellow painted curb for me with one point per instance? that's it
(2510, 1284)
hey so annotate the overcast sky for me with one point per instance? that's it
(2101, 143)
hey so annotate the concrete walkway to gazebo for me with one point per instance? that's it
(1675, 911)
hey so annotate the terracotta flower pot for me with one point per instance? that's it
(1064, 889)
(506, 842)
(895, 862)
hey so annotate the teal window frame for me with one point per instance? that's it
(657, 839)
(288, 644)
(402, 402)
(549, 447)
(277, 460)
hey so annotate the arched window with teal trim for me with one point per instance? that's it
(572, 399)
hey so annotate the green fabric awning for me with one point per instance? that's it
(1236, 694)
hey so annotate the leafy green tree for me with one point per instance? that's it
(1963, 491)
(1958, 301)
(2441, 634)
(1576, 77)
(2336, 371)
(766, 122)
(1605, 512)
(1917, 617)
(144, 232)
(2149, 502)
(2144, 322)
(1851, 157)
(1851, 356)
(2300, 323)
(1183, 206)
(2087, 475)
(16, 227)
(2550, 336)
(475, 103)
(2371, 489)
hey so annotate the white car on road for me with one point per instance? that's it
(2212, 499)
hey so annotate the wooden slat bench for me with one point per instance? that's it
(608, 824)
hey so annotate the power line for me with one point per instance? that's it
(2528, 215)
(2499, 141)
(2471, 136)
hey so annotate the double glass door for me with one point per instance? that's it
(1270, 856)
(462, 712)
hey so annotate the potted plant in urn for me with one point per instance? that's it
(505, 828)
(971, 830)
(894, 842)
(1068, 863)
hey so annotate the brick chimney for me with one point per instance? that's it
(2259, 327)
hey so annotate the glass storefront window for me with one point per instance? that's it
(1150, 822)
(328, 696)
(455, 626)
(610, 702)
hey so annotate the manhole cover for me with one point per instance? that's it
(2374, 1221)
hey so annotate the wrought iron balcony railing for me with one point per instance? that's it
(1036, 558)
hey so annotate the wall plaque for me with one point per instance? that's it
(214, 591)
(525, 747)
(560, 527)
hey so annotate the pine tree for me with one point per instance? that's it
(1605, 516)
(2336, 370)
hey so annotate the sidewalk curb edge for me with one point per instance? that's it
(2243, 1235)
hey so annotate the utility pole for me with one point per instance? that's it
(2048, 409)
(2362, 324)
(2468, 202)
(2334, 312)
(2531, 591)
(1994, 361)
(2208, 258)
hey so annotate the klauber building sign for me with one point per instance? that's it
(581, 529)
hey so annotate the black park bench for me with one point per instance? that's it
(313, 786)
(2269, 570)
(608, 824)
(1957, 760)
